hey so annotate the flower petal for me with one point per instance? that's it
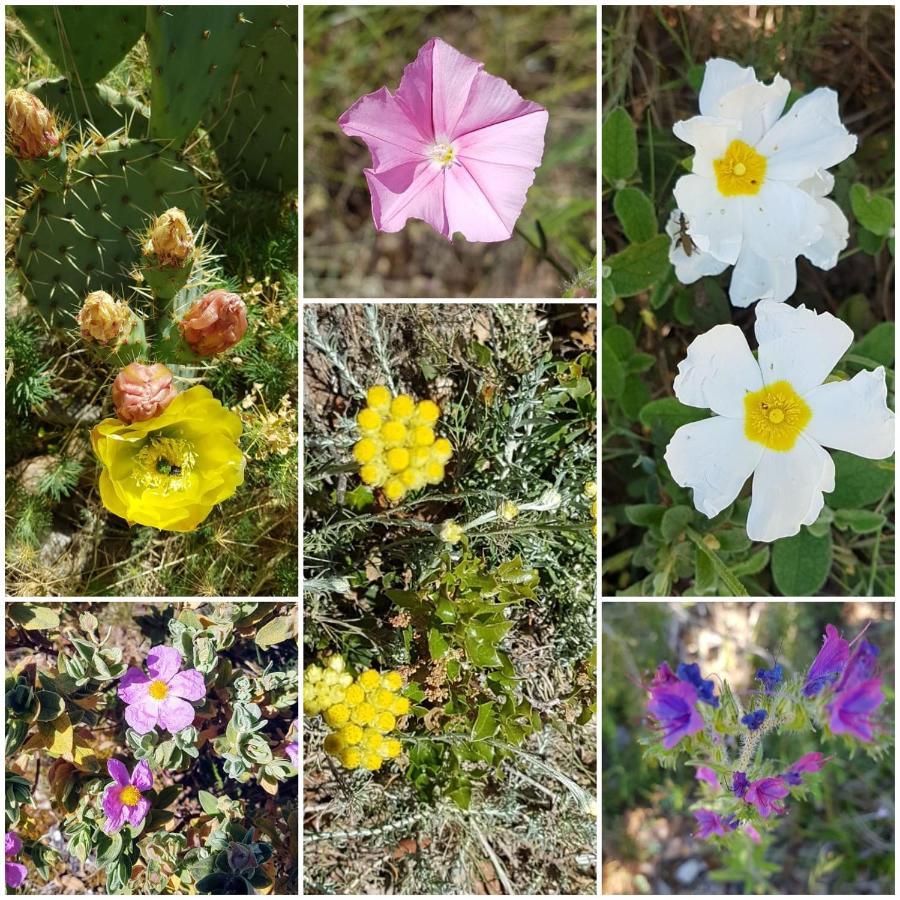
(835, 235)
(133, 685)
(189, 685)
(714, 459)
(114, 809)
(712, 216)
(710, 137)
(413, 190)
(689, 268)
(718, 371)
(755, 278)
(142, 777)
(175, 714)
(12, 844)
(118, 772)
(143, 716)
(787, 490)
(163, 662)
(798, 345)
(15, 874)
(781, 221)
(443, 76)
(808, 137)
(138, 812)
(853, 415)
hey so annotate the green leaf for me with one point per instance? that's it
(710, 305)
(635, 397)
(859, 482)
(275, 631)
(645, 514)
(619, 146)
(873, 212)
(868, 242)
(33, 617)
(485, 724)
(209, 803)
(861, 521)
(800, 564)
(612, 372)
(704, 574)
(638, 267)
(675, 520)
(481, 654)
(168, 795)
(665, 416)
(620, 340)
(445, 611)
(52, 706)
(877, 345)
(461, 796)
(731, 584)
(634, 210)
(437, 644)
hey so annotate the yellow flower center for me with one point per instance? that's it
(775, 416)
(130, 795)
(741, 171)
(443, 154)
(158, 690)
(165, 464)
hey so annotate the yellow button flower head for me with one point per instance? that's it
(370, 679)
(364, 714)
(400, 706)
(382, 699)
(371, 761)
(385, 722)
(372, 739)
(351, 758)
(337, 715)
(333, 744)
(398, 443)
(170, 471)
(391, 748)
(351, 734)
(392, 681)
(354, 695)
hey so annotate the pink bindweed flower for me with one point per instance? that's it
(454, 146)
(162, 698)
(122, 800)
(764, 793)
(16, 873)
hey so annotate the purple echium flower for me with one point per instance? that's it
(674, 708)
(711, 822)
(770, 678)
(809, 762)
(739, 784)
(690, 673)
(764, 793)
(755, 719)
(664, 675)
(705, 773)
(829, 662)
(857, 695)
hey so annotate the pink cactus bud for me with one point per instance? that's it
(142, 392)
(171, 239)
(30, 125)
(103, 319)
(215, 323)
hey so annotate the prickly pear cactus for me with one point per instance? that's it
(193, 52)
(86, 238)
(84, 42)
(96, 105)
(254, 123)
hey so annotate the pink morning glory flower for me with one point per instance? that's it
(453, 146)
(674, 706)
(162, 699)
(16, 873)
(122, 800)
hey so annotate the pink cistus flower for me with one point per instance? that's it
(293, 748)
(454, 146)
(142, 392)
(674, 706)
(122, 800)
(162, 699)
(16, 873)
(215, 323)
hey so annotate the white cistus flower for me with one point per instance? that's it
(773, 417)
(755, 197)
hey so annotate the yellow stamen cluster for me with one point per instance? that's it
(775, 416)
(361, 712)
(397, 450)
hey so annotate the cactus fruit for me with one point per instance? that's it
(215, 323)
(31, 128)
(88, 238)
(142, 392)
(168, 254)
(111, 331)
(192, 57)
(254, 122)
(84, 42)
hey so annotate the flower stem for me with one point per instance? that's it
(542, 252)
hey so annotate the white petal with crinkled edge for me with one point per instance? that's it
(781, 221)
(787, 490)
(713, 458)
(853, 415)
(717, 372)
(709, 137)
(711, 215)
(755, 278)
(720, 78)
(808, 137)
(798, 345)
(756, 106)
(819, 185)
(689, 268)
(835, 235)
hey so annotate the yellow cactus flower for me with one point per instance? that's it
(351, 734)
(351, 758)
(378, 397)
(397, 459)
(368, 421)
(427, 413)
(364, 714)
(337, 715)
(354, 695)
(170, 471)
(370, 679)
(371, 761)
(365, 450)
(394, 489)
(423, 436)
(333, 744)
(392, 681)
(393, 433)
(385, 722)
(402, 407)
(400, 706)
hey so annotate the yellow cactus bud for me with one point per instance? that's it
(385, 722)
(393, 433)
(333, 744)
(394, 489)
(363, 714)
(337, 715)
(402, 407)
(351, 758)
(392, 681)
(378, 397)
(351, 734)
(427, 413)
(368, 421)
(397, 459)
(30, 126)
(423, 436)
(104, 319)
(365, 450)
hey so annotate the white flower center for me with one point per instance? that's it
(443, 153)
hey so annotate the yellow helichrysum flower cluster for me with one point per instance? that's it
(590, 491)
(398, 450)
(361, 712)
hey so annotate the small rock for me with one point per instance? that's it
(688, 871)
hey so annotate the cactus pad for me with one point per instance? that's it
(193, 53)
(87, 237)
(84, 42)
(254, 123)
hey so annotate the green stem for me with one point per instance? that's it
(735, 588)
(544, 254)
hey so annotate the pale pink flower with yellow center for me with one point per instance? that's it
(162, 699)
(122, 800)
(454, 146)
